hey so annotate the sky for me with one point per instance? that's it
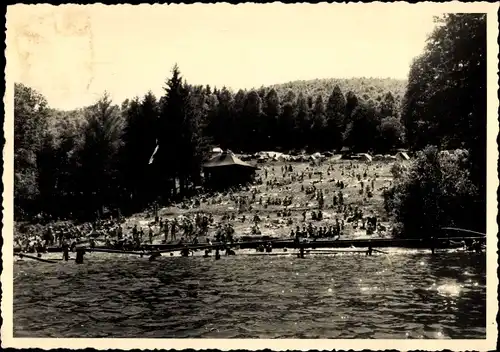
(72, 54)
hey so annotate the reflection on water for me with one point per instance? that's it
(403, 295)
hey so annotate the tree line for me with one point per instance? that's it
(444, 108)
(72, 163)
(261, 120)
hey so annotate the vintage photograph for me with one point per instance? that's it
(251, 172)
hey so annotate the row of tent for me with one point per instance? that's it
(400, 156)
(225, 168)
(278, 156)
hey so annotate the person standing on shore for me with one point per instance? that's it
(173, 230)
(150, 234)
(49, 237)
(118, 232)
(59, 237)
(135, 234)
(165, 230)
(65, 249)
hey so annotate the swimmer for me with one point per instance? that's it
(185, 252)
(433, 245)
(301, 253)
(154, 256)
(369, 251)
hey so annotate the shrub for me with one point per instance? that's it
(435, 191)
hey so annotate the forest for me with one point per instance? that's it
(71, 163)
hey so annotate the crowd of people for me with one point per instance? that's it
(274, 203)
(60, 234)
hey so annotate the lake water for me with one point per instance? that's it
(401, 295)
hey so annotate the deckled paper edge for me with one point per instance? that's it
(290, 344)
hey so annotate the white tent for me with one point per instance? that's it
(217, 150)
(402, 156)
(365, 157)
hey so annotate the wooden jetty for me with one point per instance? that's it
(441, 242)
(146, 249)
(265, 248)
(320, 246)
(21, 255)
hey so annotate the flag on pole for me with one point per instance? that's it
(154, 152)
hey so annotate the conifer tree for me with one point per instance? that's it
(99, 155)
(318, 127)
(335, 115)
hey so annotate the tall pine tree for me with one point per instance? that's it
(335, 115)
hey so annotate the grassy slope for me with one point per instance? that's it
(273, 225)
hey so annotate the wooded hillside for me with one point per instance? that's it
(366, 89)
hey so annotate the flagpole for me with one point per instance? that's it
(151, 161)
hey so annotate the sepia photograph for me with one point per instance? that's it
(211, 173)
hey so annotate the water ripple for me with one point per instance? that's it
(411, 296)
